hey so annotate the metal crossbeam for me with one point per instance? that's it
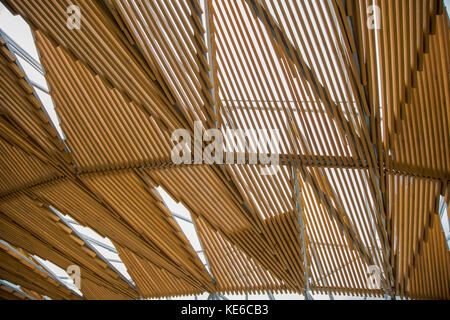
(179, 216)
(100, 244)
(17, 49)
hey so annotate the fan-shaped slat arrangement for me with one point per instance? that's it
(358, 92)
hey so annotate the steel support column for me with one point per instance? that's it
(298, 205)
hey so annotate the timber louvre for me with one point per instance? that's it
(363, 114)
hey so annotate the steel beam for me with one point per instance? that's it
(301, 221)
(14, 47)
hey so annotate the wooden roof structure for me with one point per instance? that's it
(363, 115)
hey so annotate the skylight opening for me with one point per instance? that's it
(182, 216)
(103, 246)
(445, 219)
(18, 31)
(59, 273)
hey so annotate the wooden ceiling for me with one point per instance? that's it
(363, 115)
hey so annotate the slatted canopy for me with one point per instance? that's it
(358, 91)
